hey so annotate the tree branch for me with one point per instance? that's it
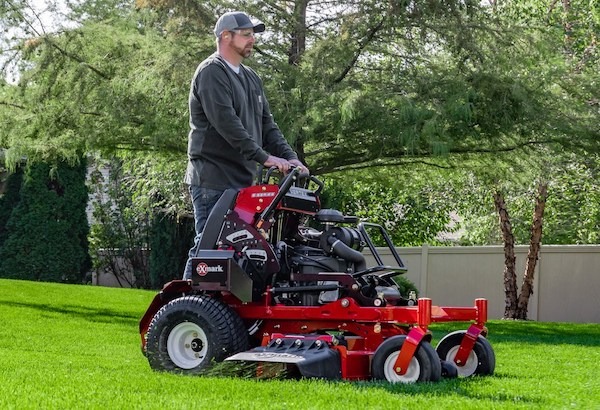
(43, 35)
(551, 8)
(502, 149)
(13, 105)
(359, 51)
(337, 159)
(76, 58)
(388, 163)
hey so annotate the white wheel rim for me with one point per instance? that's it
(187, 345)
(470, 366)
(411, 375)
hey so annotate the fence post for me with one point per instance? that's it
(424, 270)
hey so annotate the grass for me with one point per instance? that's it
(77, 347)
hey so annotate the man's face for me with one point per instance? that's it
(242, 41)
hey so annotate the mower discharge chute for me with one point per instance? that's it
(269, 287)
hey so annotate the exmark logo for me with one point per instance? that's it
(203, 269)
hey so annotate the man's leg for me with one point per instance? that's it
(203, 201)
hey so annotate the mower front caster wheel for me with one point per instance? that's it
(481, 360)
(425, 365)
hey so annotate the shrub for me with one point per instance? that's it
(410, 216)
(9, 200)
(46, 232)
(405, 286)
(119, 234)
(170, 241)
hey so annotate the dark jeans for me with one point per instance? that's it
(203, 200)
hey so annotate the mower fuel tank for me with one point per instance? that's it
(218, 270)
(312, 357)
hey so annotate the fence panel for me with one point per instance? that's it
(566, 285)
(566, 282)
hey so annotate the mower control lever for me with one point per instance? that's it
(284, 187)
(300, 176)
(267, 176)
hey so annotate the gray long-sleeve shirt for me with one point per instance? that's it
(231, 127)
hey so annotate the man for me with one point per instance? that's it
(231, 127)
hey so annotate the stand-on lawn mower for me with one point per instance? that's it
(269, 287)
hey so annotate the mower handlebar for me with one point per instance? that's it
(284, 186)
(287, 181)
(306, 177)
(270, 171)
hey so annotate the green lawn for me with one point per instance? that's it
(72, 347)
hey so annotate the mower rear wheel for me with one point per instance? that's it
(424, 366)
(481, 360)
(191, 333)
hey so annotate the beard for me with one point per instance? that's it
(244, 52)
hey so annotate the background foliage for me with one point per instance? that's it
(50, 210)
(412, 210)
(352, 83)
(9, 200)
(462, 96)
(134, 230)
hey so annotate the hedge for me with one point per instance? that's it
(45, 235)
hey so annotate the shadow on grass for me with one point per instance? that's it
(84, 312)
(459, 387)
(462, 387)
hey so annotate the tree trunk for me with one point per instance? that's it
(510, 277)
(298, 44)
(568, 28)
(295, 52)
(533, 254)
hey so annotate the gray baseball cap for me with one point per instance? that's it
(236, 20)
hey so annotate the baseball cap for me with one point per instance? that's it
(236, 20)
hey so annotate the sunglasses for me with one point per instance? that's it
(246, 34)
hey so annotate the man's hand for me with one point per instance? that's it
(282, 164)
(297, 163)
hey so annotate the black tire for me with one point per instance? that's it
(481, 360)
(436, 363)
(449, 370)
(425, 365)
(192, 333)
